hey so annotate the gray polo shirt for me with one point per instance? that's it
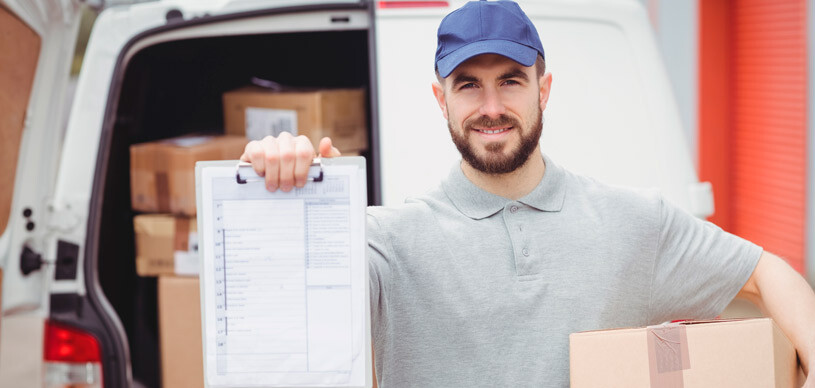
(470, 289)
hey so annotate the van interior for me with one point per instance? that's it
(172, 89)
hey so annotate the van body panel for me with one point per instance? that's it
(611, 107)
(40, 146)
(263, 24)
(113, 28)
(414, 143)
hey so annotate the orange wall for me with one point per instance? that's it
(714, 103)
(753, 119)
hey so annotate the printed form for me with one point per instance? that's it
(285, 292)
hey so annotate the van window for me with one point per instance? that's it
(20, 46)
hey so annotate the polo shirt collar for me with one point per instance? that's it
(476, 203)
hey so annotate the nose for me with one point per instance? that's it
(492, 106)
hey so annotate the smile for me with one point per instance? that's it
(493, 131)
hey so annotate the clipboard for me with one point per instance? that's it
(284, 277)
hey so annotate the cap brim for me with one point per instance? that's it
(517, 52)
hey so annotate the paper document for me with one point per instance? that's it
(284, 279)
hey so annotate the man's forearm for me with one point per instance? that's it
(783, 295)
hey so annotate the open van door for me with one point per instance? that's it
(37, 252)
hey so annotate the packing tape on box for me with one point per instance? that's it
(162, 191)
(182, 234)
(667, 355)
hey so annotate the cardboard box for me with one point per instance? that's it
(166, 245)
(179, 308)
(696, 354)
(256, 112)
(162, 173)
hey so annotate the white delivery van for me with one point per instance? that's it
(157, 69)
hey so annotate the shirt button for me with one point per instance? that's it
(513, 209)
(525, 252)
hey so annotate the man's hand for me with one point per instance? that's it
(783, 295)
(284, 161)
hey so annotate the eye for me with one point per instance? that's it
(511, 82)
(468, 85)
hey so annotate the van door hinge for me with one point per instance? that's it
(66, 263)
(30, 261)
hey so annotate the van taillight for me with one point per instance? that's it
(71, 358)
(412, 4)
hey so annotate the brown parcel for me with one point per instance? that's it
(739, 353)
(158, 237)
(336, 113)
(162, 173)
(182, 359)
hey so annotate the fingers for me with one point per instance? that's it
(283, 161)
(303, 154)
(254, 153)
(245, 155)
(269, 157)
(285, 146)
(327, 150)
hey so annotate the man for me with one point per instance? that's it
(481, 281)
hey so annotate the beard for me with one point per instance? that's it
(498, 159)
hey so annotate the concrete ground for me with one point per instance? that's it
(21, 351)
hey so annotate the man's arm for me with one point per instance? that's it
(783, 295)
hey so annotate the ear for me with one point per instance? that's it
(438, 91)
(545, 87)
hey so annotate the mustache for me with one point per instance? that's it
(484, 121)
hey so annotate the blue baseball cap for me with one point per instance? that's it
(486, 27)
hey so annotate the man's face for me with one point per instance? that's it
(493, 107)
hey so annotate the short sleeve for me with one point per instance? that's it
(698, 267)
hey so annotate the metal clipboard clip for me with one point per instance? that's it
(245, 173)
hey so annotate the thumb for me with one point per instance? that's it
(327, 150)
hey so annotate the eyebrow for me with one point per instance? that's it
(463, 78)
(513, 73)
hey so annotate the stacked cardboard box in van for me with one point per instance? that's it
(166, 245)
(162, 173)
(163, 189)
(162, 182)
(256, 112)
(179, 314)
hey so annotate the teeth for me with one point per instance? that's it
(494, 131)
